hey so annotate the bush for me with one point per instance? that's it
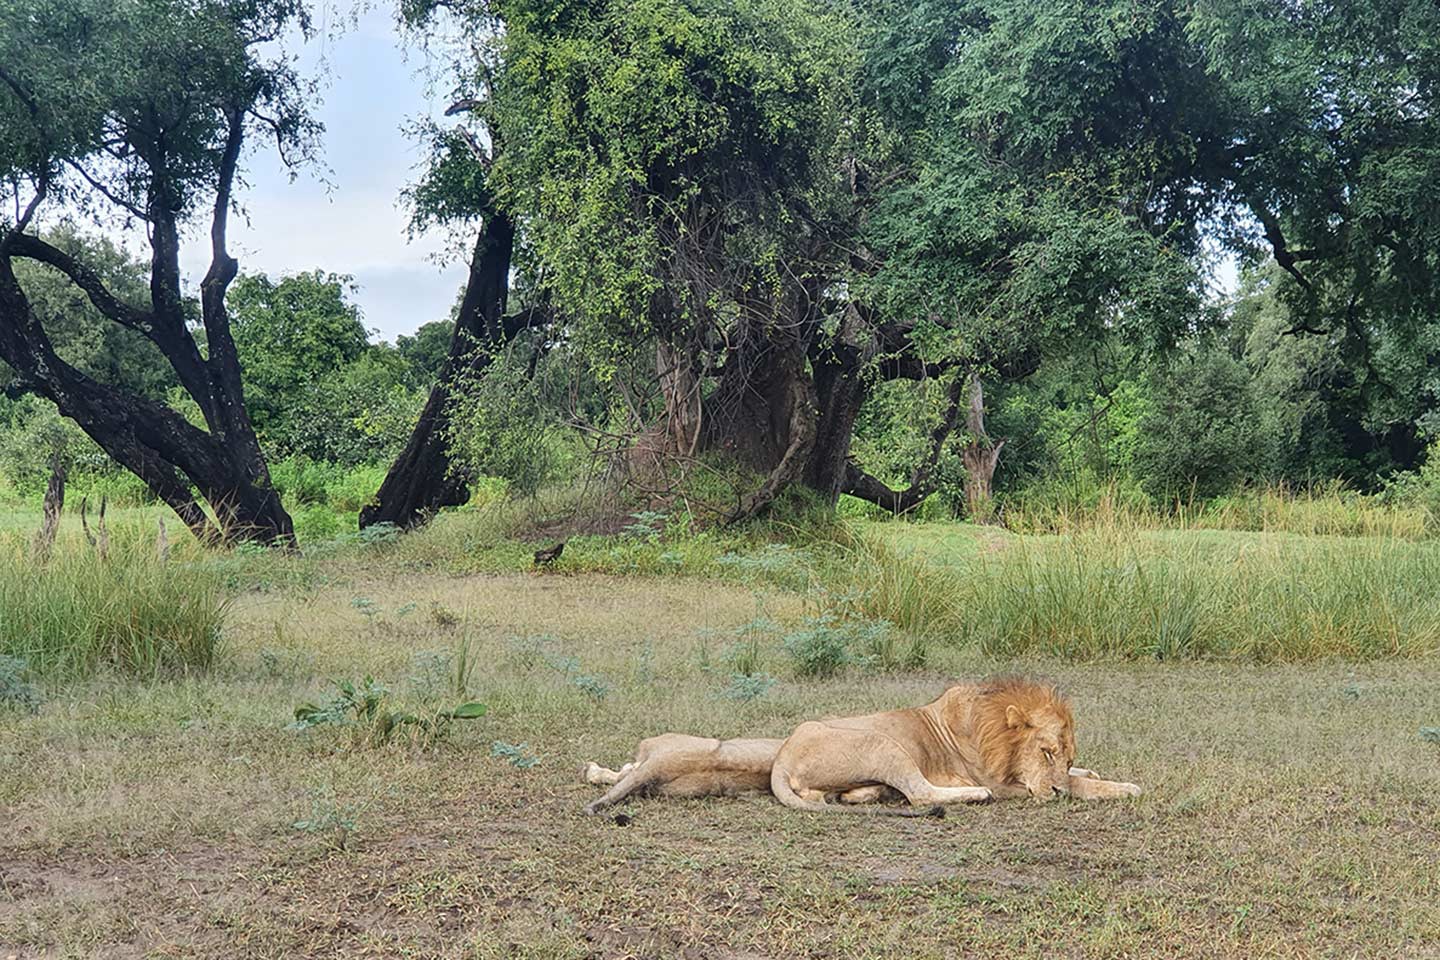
(304, 482)
(833, 640)
(352, 490)
(1199, 436)
(1419, 489)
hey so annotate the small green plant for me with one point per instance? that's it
(444, 671)
(531, 651)
(590, 685)
(16, 690)
(376, 535)
(746, 687)
(821, 647)
(1430, 735)
(362, 707)
(777, 563)
(443, 616)
(367, 607)
(329, 818)
(516, 753)
(645, 526)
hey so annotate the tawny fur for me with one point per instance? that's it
(975, 742)
(677, 765)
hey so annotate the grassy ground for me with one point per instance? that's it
(1291, 810)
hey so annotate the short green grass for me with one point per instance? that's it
(1291, 809)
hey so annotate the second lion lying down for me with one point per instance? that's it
(975, 742)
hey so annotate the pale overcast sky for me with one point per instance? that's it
(355, 225)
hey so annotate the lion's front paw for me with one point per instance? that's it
(1130, 789)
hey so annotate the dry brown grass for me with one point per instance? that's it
(1291, 810)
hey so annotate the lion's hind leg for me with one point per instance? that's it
(639, 777)
(599, 776)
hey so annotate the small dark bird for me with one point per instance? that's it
(549, 554)
(623, 820)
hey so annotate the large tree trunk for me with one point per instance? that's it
(147, 438)
(421, 480)
(763, 409)
(840, 390)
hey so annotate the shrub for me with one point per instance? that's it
(365, 708)
(831, 641)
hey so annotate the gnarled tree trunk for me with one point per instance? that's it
(421, 479)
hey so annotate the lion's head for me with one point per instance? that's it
(1027, 735)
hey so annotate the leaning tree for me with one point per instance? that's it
(139, 111)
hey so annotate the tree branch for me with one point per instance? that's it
(1283, 255)
(33, 248)
(105, 192)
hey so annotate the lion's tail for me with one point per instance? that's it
(780, 786)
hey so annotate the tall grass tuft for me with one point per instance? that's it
(1327, 509)
(1118, 591)
(76, 614)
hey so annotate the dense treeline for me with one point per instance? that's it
(940, 253)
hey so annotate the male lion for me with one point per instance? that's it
(676, 765)
(976, 742)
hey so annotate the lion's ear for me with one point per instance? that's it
(1015, 717)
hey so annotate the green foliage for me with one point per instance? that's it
(445, 671)
(836, 638)
(504, 422)
(1419, 488)
(748, 687)
(517, 753)
(1199, 436)
(290, 335)
(329, 818)
(425, 350)
(630, 124)
(303, 482)
(363, 708)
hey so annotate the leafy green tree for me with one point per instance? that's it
(291, 335)
(141, 109)
(358, 414)
(425, 350)
(1200, 436)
